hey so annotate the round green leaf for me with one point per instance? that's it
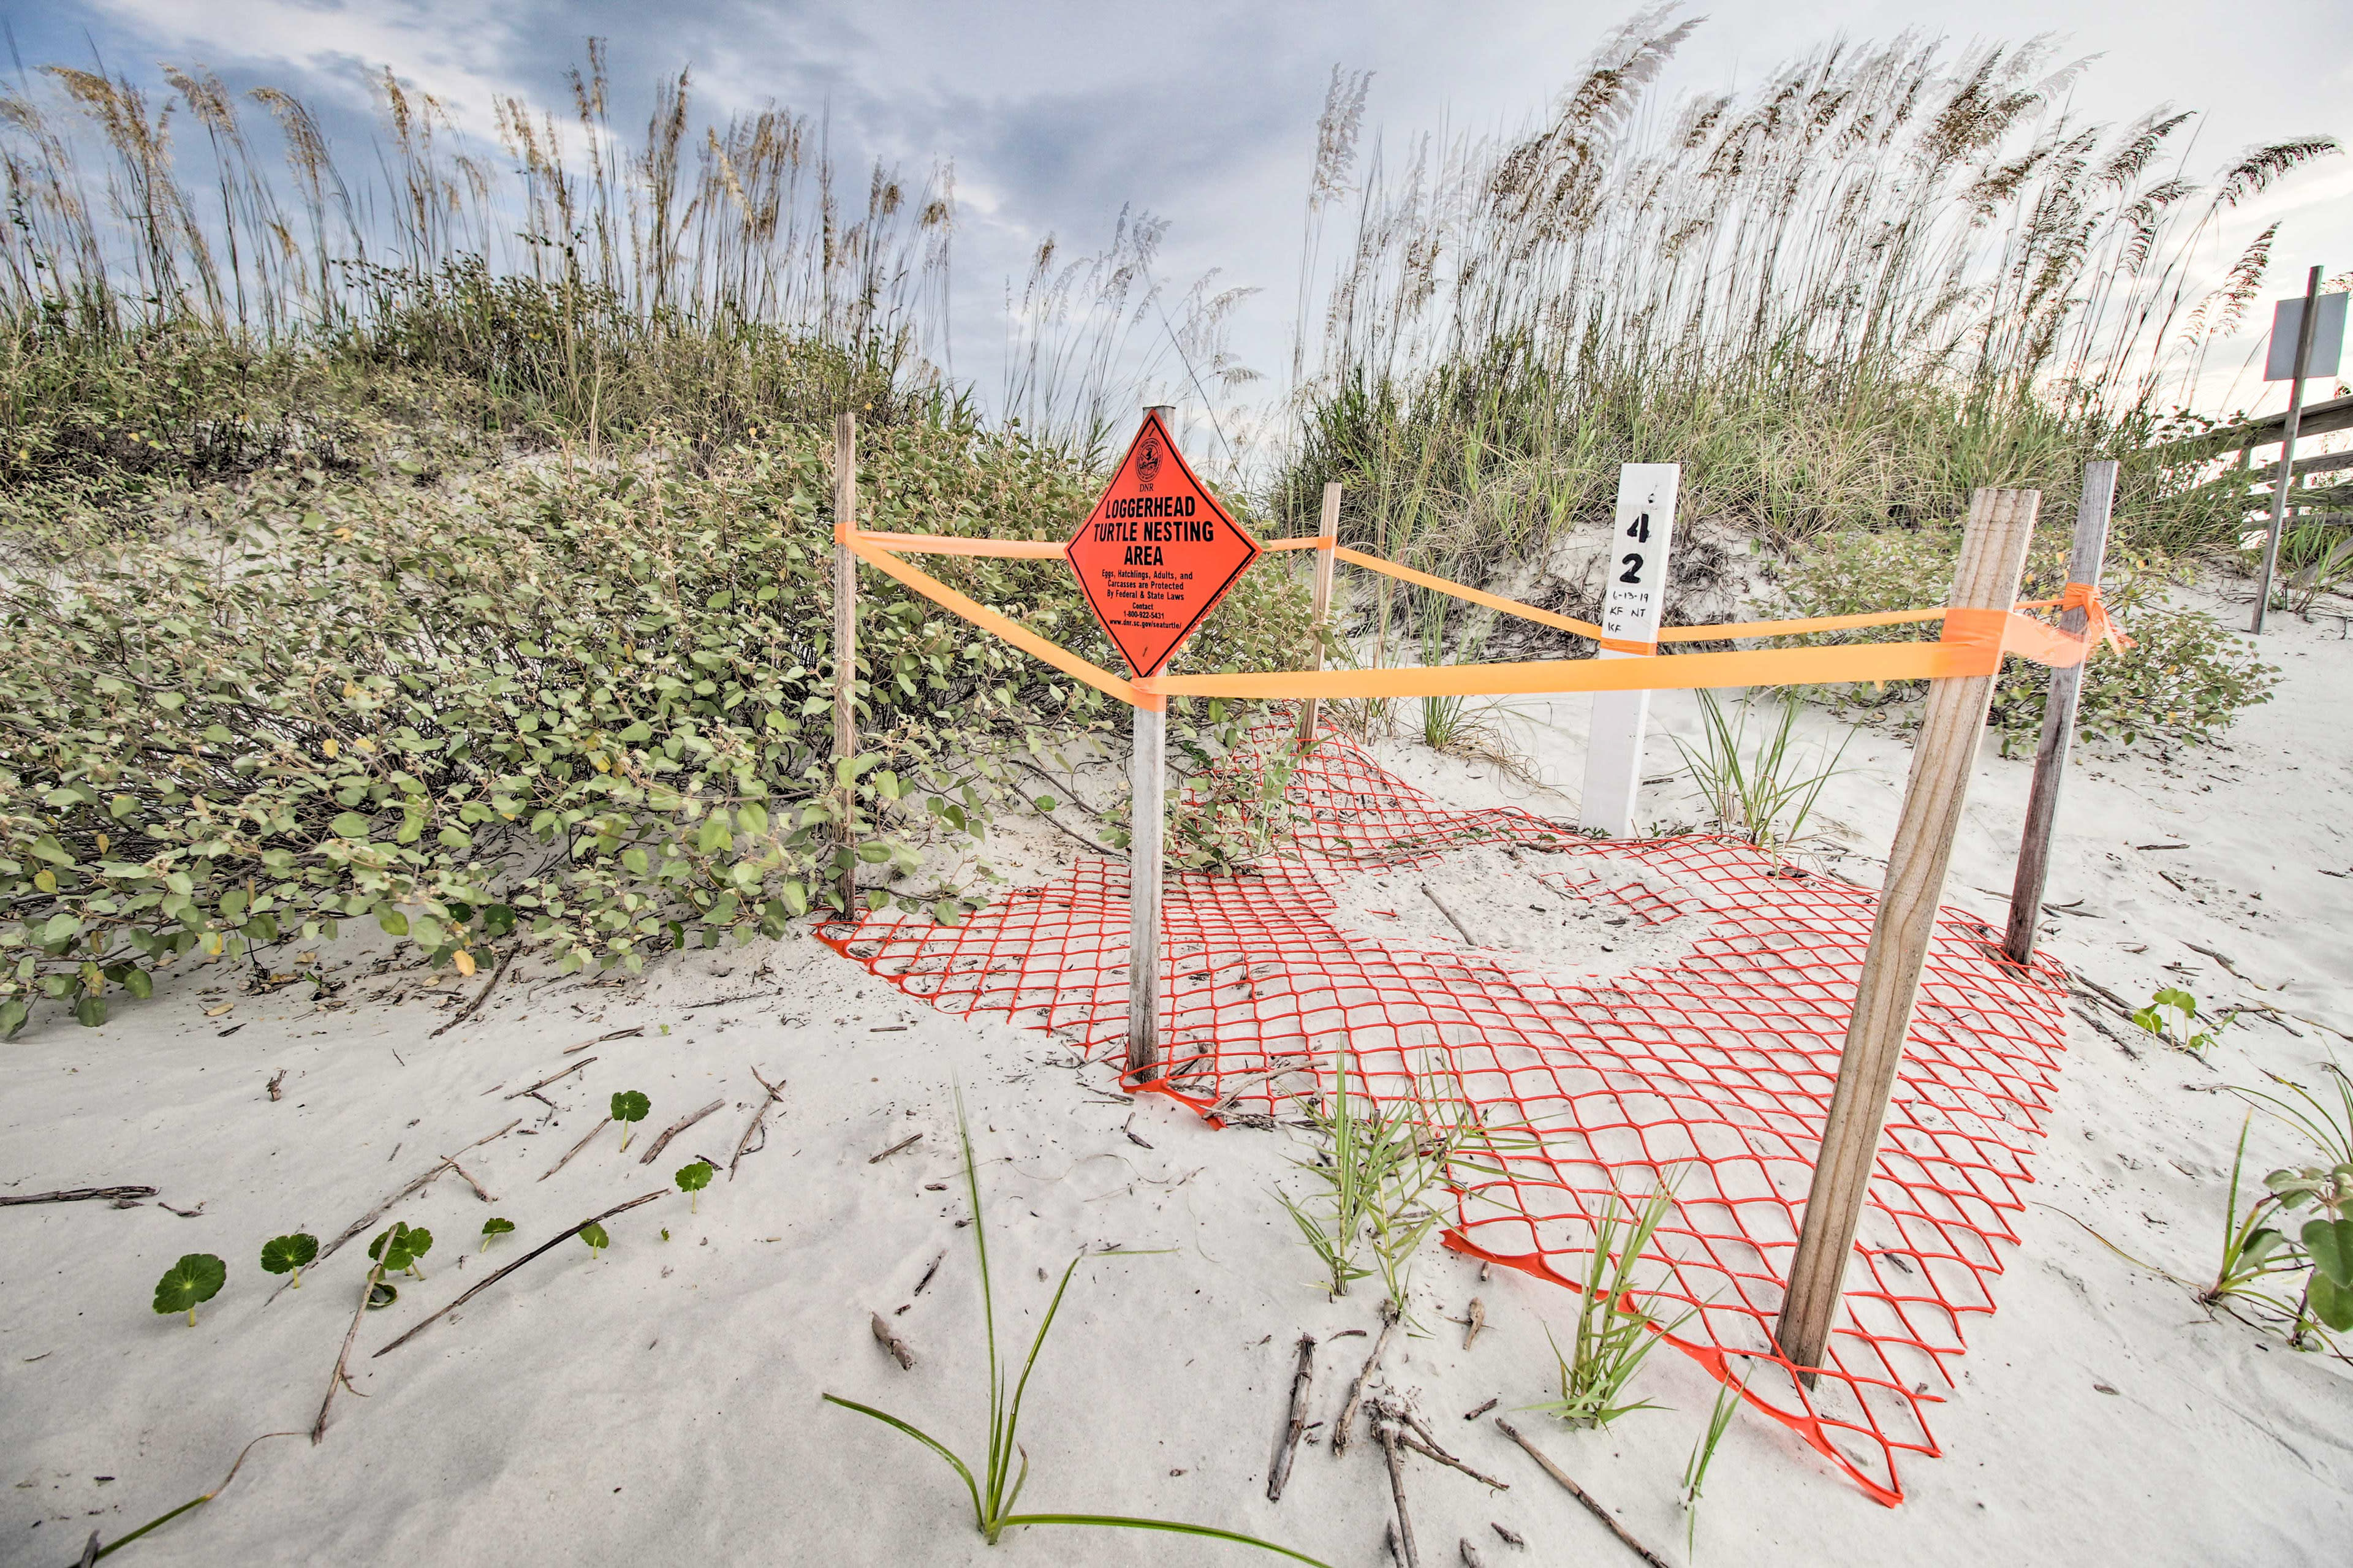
(349, 824)
(2330, 1244)
(694, 1177)
(197, 1277)
(284, 1254)
(628, 1105)
(594, 1235)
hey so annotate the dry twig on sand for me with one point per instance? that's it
(470, 1008)
(608, 1034)
(1415, 1433)
(654, 1150)
(342, 1379)
(418, 1183)
(600, 1126)
(1347, 1421)
(1295, 1427)
(1580, 1493)
(891, 1341)
(557, 1240)
(1386, 1430)
(907, 1142)
(759, 1123)
(550, 1077)
(122, 1197)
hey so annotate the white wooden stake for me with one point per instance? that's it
(1147, 782)
(845, 643)
(1634, 592)
(1327, 539)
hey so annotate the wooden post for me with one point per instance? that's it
(1327, 539)
(1147, 782)
(2304, 330)
(845, 647)
(1993, 557)
(2083, 563)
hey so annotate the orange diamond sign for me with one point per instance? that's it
(1157, 552)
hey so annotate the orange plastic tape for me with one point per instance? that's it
(1012, 631)
(1492, 601)
(1314, 541)
(949, 544)
(1973, 642)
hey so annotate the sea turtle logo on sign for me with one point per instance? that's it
(1154, 558)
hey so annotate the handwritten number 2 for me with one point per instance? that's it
(1633, 564)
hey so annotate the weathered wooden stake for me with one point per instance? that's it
(2306, 325)
(1147, 777)
(2083, 563)
(845, 647)
(1327, 539)
(1993, 557)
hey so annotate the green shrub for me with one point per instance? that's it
(2184, 679)
(584, 704)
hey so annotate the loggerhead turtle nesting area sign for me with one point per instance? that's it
(1157, 552)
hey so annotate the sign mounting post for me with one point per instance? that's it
(2307, 339)
(1153, 558)
(1634, 592)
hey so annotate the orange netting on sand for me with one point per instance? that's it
(1713, 1072)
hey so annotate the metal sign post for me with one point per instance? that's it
(1634, 592)
(2298, 321)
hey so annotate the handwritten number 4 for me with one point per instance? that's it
(1639, 531)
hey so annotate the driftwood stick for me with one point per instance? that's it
(1347, 1421)
(470, 1008)
(559, 1239)
(1452, 918)
(759, 1121)
(1580, 1493)
(1387, 1431)
(607, 1035)
(908, 1142)
(469, 1181)
(81, 1194)
(551, 1077)
(1302, 1380)
(577, 1148)
(675, 1129)
(377, 1213)
(318, 1428)
(892, 1343)
(1423, 1441)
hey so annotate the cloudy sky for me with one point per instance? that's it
(1057, 113)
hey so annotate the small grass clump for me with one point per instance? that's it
(1762, 789)
(290, 1254)
(198, 1278)
(1373, 1174)
(1614, 1337)
(995, 1492)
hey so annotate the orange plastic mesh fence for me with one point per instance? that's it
(1713, 1073)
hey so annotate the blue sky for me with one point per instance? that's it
(1057, 114)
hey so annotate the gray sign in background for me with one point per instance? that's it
(2327, 337)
